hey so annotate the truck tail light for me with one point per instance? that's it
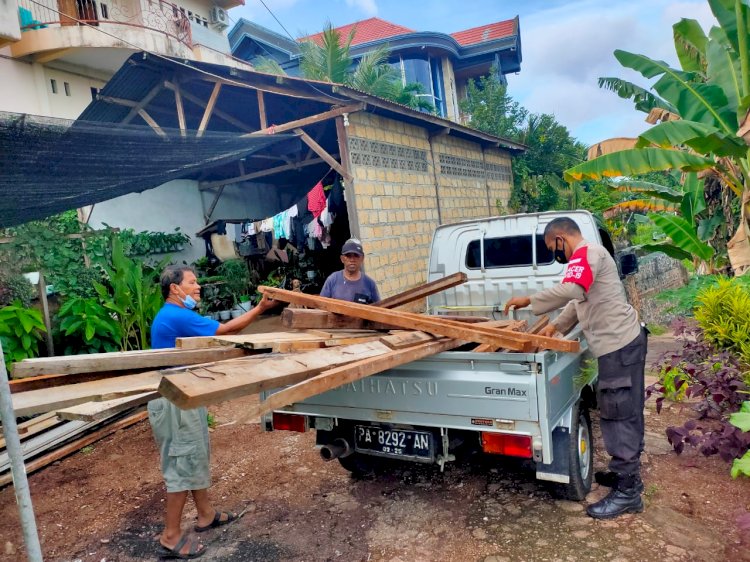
(289, 422)
(506, 444)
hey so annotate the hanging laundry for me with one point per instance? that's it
(325, 217)
(250, 228)
(336, 202)
(278, 226)
(316, 200)
(266, 225)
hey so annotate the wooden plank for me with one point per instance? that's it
(262, 111)
(515, 325)
(196, 387)
(152, 123)
(336, 377)
(305, 121)
(124, 360)
(42, 287)
(32, 427)
(51, 381)
(407, 339)
(199, 102)
(301, 318)
(209, 109)
(320, 151)
(408, 320)
(180, 111)
(77, 445)
(422, 291)
(94, 411)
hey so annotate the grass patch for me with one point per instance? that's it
(683, 299)
(211, 420)
(657, 329)
(87, 450)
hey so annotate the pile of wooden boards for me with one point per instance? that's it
(327, 344)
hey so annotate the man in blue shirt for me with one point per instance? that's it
(350, 284)
(182, 435)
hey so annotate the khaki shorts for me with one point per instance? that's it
(182, 438)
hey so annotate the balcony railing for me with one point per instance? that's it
(154, 15)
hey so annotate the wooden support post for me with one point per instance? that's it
(219, 113)
(262, 111)
(351, 199)
(42, 287)
(180, 111)
(209, 109)
(311, 120)
(261, 173)
(151, 123)
(215, 202)
(320, 151)
(141, 104)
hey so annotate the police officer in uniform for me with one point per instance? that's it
(594, 296)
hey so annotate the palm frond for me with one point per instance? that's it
(268, 66)
(644, 100)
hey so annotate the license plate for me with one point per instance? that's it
(393, 442)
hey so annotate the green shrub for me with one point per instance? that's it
(15, 287)
(723, 313)
(741, 420)
(87, 327)
(21, 329)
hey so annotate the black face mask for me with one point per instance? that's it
(559, 253)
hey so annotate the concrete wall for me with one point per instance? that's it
(656, 273)
(176, 203)
(396, 202)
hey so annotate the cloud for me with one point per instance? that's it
(566, 49)
(369, 7)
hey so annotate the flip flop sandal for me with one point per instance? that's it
(217, 522)
(194, 550)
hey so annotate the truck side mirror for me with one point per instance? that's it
(628, 264)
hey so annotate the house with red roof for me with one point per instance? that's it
(441, 63)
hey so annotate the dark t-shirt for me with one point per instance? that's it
(363, 291)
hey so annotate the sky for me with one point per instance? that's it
(566, 45)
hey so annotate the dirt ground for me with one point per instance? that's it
(106, 504)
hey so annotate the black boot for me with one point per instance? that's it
(608, 479)
(624, 498)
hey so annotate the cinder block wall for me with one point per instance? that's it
(395, 200)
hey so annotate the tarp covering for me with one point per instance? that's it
(49, 165)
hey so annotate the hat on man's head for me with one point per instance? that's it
(352, 246)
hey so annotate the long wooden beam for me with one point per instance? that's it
(120, 361)
(152, 123)
(320, 151)
(311, 120)
(93, 411)
(423, 291)
(180, 111)
(142, 104)
(411, 321)
(199, 387)
(261, 173)
(209, 109)
(336, 377)
(262, 111)
(218, 112)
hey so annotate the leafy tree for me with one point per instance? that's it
(537, 184)
(331, 61)
(700, 108)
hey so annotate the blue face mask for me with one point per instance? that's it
(188, 302)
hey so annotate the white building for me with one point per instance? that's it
(55, 55)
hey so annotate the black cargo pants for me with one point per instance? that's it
(620, 394)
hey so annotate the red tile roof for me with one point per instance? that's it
(367, 30)
(483, 33)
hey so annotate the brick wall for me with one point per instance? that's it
(394, 199)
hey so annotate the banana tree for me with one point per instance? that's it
(707, 100)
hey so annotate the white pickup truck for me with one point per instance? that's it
(529, 405)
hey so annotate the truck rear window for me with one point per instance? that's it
(508, 251)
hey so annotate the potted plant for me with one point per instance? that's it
(237, 279)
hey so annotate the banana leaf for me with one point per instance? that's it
(702, 138)
(670, 249)
(694, 101)
(694, 200)
(707, 227)
(637, 161)
(644, 100)
(639, 206)
(723, 68)
(683, 235)
(690, 44)
(649, 189)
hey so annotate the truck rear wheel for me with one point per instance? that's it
(581, 456)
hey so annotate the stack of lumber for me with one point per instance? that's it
(326, 344)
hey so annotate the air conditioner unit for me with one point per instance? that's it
(219, 17)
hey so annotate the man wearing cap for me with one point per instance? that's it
(350, 284)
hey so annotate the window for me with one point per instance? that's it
(67, 88)
(104, 11)
(508, 251)
(426, 71)
(94, 93)
(53, 85)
